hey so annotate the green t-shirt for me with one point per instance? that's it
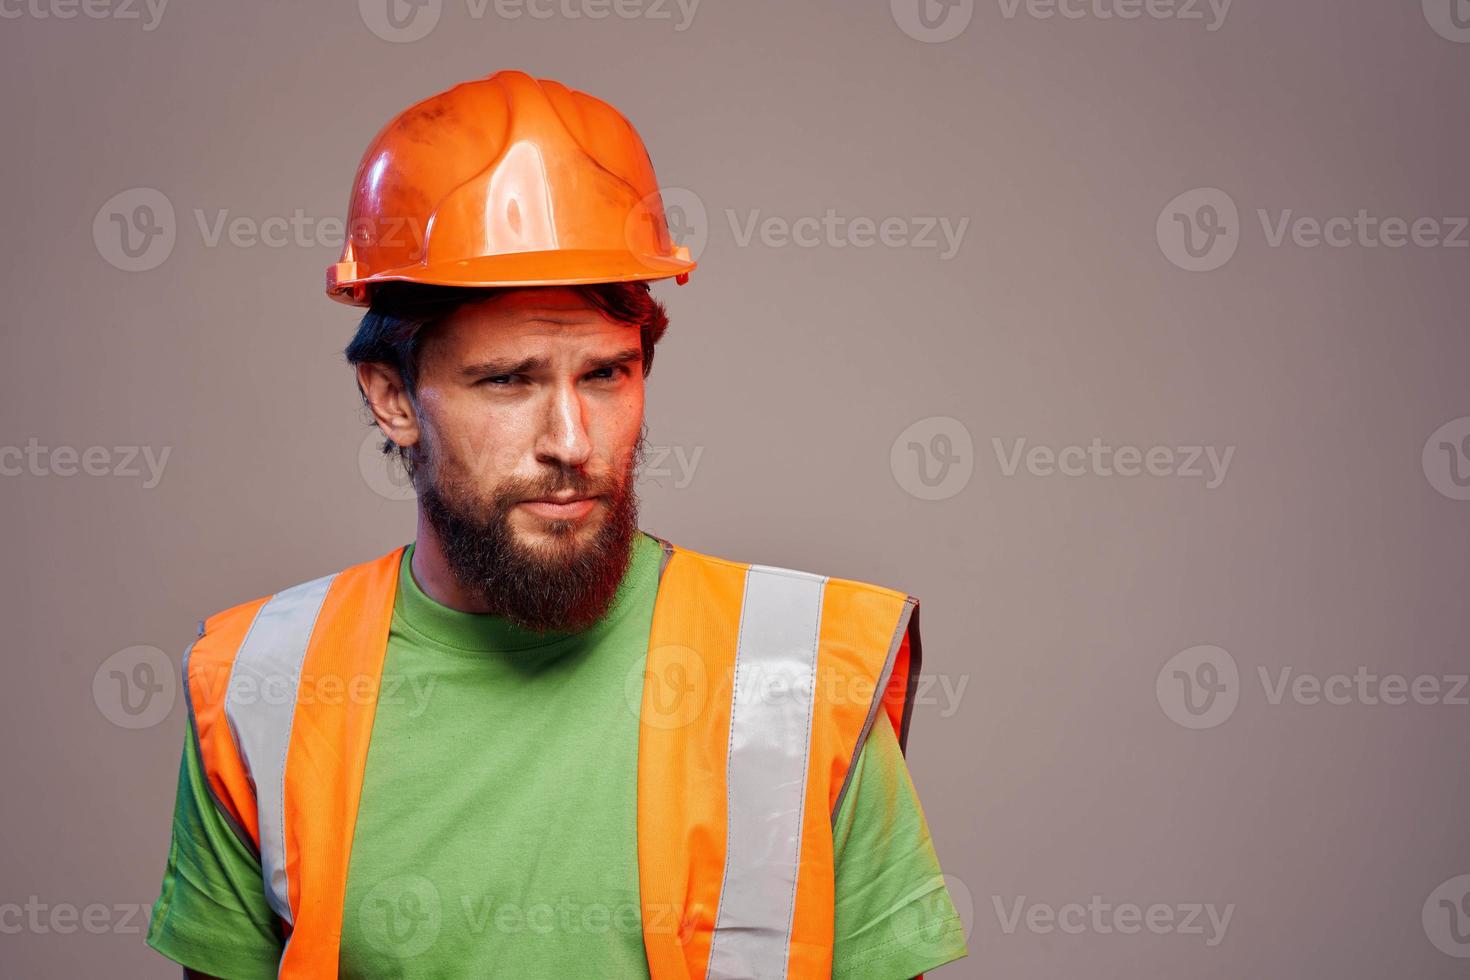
(496, 832)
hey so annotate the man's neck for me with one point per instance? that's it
(431, 571)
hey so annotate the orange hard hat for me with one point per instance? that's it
(507, 180)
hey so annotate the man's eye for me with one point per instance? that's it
(496, 379)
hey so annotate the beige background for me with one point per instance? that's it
(1333, 545)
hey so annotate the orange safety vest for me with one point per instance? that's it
(759, 687)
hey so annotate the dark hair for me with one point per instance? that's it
(402, 315)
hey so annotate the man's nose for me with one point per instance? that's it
(563, 439)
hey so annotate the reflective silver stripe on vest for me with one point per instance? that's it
(770, 736)
(260, 704)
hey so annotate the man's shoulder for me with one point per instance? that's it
(237, 618)
(717, 561)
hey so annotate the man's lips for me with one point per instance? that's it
(563, 507)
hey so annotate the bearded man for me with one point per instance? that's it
(539, 741)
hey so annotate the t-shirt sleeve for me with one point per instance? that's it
(212, 915)
(893, 915)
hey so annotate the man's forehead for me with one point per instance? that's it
(551, 304)
(532, 315)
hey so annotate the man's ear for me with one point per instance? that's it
(387, 398)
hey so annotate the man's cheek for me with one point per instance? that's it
(479, 454)
(622, 457)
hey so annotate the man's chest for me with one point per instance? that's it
(496, 834)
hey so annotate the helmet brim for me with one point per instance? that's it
(518, 269)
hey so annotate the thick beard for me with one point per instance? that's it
(568, 590)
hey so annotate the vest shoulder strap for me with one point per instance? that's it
(874, 634)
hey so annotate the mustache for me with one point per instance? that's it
(462, 474)
(577, 484)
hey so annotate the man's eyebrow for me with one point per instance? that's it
(503, 365)
(621, 357)
(527, 365)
